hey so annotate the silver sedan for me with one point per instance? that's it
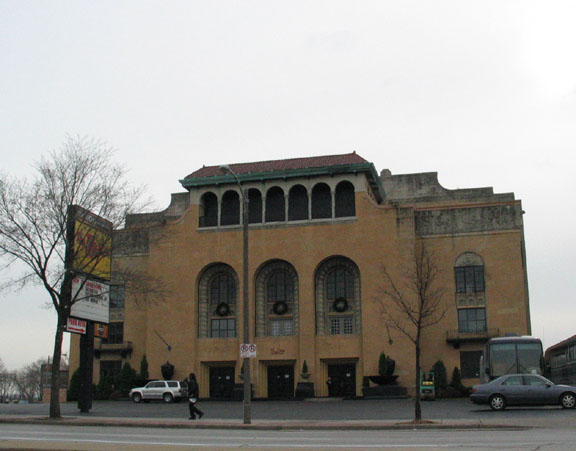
(523, 390)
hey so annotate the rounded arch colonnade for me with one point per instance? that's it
(279, 204)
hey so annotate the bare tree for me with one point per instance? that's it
(6, 382)
(34, 217)
(28, 380)
(414, 303)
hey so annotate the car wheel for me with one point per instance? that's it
(137, 398)
(168, 397)
(568, 400)
(497, 402)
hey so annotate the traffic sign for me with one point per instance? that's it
(248, 350)
(75, 325)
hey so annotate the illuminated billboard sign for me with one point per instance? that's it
(92, 245)
(91, 300)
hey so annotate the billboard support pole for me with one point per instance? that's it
(88, 255)
(86, 368)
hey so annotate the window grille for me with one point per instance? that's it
(223, 328)
(469, 279)
(472, 320)
(281, 327)
(342, 325)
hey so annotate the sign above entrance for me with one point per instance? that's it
(248, 351)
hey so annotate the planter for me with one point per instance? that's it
(383, 380)
(167, 370)
(304, 390)
(385, 391)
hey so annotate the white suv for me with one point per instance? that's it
(167, 391)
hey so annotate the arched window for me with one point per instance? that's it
(230, 213)
(280, 287)
(470, 293)
(338, 309)
(345, 201)
(469, 273)
(217, 294)
(208, 210)
(276, 300)
(297, 203)
(339, 284)
(222, 289)
(275, 205)
(254, 206)
(321, 201)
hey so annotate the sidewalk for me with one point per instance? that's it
(261, 424)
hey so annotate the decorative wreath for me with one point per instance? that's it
(223, 309)
(340, 305)
(280, 308)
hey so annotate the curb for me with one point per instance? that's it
(264, 426)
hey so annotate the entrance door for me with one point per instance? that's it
(221, 382)
(343, 379)
(280, 382)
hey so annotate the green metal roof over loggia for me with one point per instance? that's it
(349, 163)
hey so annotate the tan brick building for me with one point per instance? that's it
(320, 231)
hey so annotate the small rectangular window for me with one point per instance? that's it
(348, 329)
(281, 327)
(115, 333)
(342, 325)
(335, 326)
(472, 320)
(223, 328)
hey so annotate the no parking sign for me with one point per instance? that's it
(248, 350)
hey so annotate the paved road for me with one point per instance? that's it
(353, 410)
(285, 425)
(113, 438)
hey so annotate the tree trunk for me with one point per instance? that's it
(56, 357)
(417, 407)
(62, 304)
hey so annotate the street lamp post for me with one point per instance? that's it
(245, 307)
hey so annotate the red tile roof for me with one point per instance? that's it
(282, 165)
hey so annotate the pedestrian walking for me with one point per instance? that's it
(193, 394)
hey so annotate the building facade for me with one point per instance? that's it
(321, 232)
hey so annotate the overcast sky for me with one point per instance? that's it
(482, 92)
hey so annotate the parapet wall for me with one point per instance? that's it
(424, 187)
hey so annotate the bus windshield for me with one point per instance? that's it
(530, 358)
(508, 358)
(503, 357)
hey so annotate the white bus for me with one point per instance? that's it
(511, 355)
